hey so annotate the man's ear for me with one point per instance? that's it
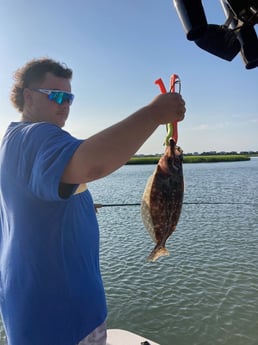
(27, 96)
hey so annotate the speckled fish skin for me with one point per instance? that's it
(163, 198)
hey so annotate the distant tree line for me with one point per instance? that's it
(222, 153)
(206, 153)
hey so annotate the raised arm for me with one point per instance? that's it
(111, 148)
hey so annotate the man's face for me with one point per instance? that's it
(43, 109)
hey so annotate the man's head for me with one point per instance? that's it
(32, 92)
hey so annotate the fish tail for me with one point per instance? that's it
(157, 253)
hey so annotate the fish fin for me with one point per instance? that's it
(157, 253)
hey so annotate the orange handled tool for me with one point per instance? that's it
(172, 128)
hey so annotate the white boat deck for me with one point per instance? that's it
(122, 337)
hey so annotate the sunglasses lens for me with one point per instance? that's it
(61, 97)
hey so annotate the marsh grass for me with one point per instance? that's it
(191, 159)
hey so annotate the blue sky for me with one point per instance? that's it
(117, 49)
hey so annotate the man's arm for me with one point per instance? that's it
(111, 148)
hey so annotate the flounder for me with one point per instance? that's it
(163, 198)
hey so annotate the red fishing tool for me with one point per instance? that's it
(172, 130)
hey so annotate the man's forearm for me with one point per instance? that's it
(109, 149)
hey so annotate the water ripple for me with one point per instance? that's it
(206, 292)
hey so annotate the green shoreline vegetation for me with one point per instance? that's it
(202, 158)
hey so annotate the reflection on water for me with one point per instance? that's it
(206, 291)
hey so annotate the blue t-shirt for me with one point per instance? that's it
(51, 291)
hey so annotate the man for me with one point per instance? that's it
(51, 291)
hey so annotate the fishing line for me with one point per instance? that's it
(184, 203)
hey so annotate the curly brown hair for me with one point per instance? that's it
(33, 73)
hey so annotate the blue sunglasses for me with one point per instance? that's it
(57, 96)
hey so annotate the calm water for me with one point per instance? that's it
(206, 291)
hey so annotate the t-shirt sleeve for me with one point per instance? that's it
(54, 149)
